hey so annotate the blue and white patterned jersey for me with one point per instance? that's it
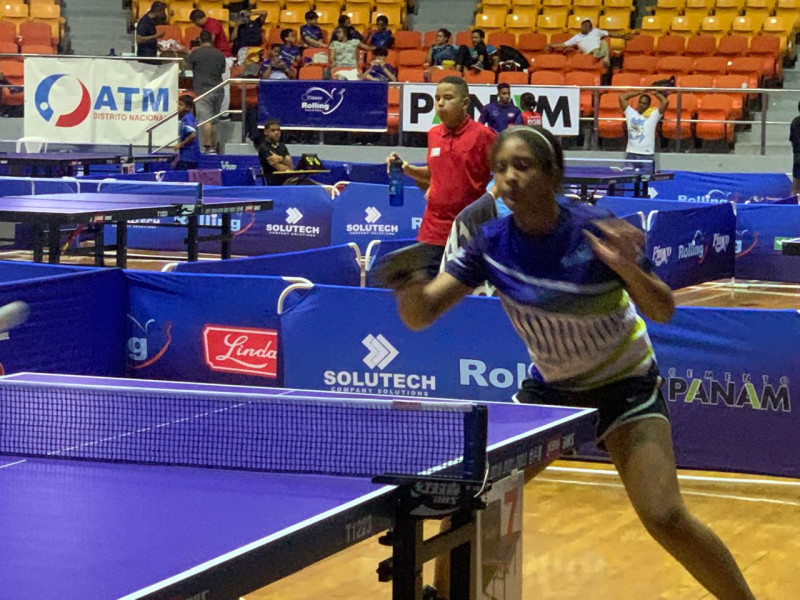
(571, 310)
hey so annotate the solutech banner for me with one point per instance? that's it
(99, 101)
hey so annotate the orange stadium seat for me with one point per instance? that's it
(438, 74)
(670, 45)
(37, 49)
(464, 38)
(715, 107)
(675, 65)
(51, 15)
(501, 38)
(783, 28)
(411, 58)
(733, 82)
(584, 79)
(701, 45)
(640, 44)
(429, 38)
(513, 78)
(14, 71)
(611, 124)
(768, 47)
(310, 72)
(749, 66)
(407, 40)
(640, 64)
(393, 109)
(669, 127)
(479, 77)
(171, 32)
(732, 45)
(8, 30)
(190, 32)
(547, 78)
(695, 81)
(560, 37)
(8, 47)
(310, 53)
(585, 62)
(710, 65)
(551, 62)
(625, 79)
(531, 42)
(411, 75)
(33, 32)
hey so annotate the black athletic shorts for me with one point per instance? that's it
(617, 403)
(433, 258)
(796, 167)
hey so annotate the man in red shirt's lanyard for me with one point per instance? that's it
(458, 170)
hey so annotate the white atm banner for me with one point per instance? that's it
(99, 101)
(560, 107)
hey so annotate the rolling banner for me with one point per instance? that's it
(335, 105)
(560, 107)
(99, 101)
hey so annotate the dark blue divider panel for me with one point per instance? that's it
(759, 232)
(76, 325)
(693, 245)
(733, 386)
(361, 213)
(20, 271)
(723, 187)
(235, 169)
(336, 265)
(624, 206)
(215, 328)
(353, 340)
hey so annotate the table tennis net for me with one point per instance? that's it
(235, 431)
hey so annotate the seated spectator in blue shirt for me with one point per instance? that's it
(381, 37)
(311, 35)
(291, 53)
(502, 113)
(380, 71)
(480, 56)
(442, 50)
(344, 23)
(188, 146)
(275, 67)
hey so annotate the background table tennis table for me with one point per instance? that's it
(78, 529)
(65, 163)
(49, 212)
(589, 178)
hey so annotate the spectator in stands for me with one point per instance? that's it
(344, 23)
(219, 39)
(794, 137)
(479, 57)
(276, 67)
(380, 70)
(188, 146)
(291, 53)
(530, 117)
(252, 62)
(147, 35)
(502, 113)
(311, 34)
(457, 172)
(442, 51)
(591, 41)
(342, 54)
(641, 128)
(208, 67)
(248, 32)
(273, 154)
(381, 37)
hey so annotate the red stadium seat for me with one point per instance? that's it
(411, 75)
(715, 107)
(611, 124)
(640, 44)
(701, 45)
(513, 78)
(584, 79)
(670, 45)
(640, 64)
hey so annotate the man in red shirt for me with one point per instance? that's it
(220, 41)
(458, 170)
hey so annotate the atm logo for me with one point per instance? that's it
(242, 350)
(45, 107)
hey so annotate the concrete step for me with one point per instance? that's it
(750, 149)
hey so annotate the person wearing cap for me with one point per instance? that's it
(591, 41)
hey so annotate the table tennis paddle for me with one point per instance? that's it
(13, 315)
(398, 268)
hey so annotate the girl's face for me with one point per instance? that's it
(182, 108)
(522, 183)
(341, 35)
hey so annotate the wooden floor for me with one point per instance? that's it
(582, 540)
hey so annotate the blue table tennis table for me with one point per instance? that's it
(610, 179)
(54, 164)
(48, 213)
(84, 530)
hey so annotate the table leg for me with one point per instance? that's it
(225, 251)
(122, 244)
(191, 237)
(54, 243)
(407, 571)
(612, 189)
(637, 187)
(585, 192)
(38, 242)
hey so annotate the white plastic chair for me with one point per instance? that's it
(32, 144)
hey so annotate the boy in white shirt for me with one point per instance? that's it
(591, 41)
(642, 122)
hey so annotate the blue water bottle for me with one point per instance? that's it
(396, 182)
